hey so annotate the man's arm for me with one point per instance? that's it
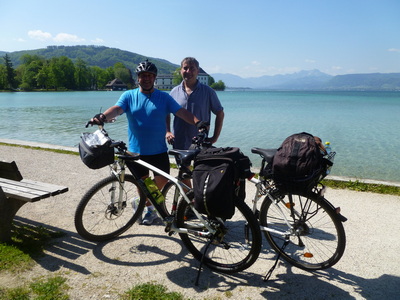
(219, 121)
(169, 135)
(187, 116)
(113, 112)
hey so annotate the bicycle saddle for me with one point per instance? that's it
(130, 156)
(267, 154)
(184, 157)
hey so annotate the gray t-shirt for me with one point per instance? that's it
(201, 102)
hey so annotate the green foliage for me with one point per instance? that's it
(177, 77)
(100, 56)
(27, 242)
(151, 291)
(61, 73)
(9, 73)
(219, 86)
(363, 187)
(211, 80)
(50, 288)
(40, 289)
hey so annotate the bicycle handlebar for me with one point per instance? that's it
(200, 140)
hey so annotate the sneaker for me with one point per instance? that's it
(149, 217)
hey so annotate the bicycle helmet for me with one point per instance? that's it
(146, 66)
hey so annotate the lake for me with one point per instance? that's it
(363, 127)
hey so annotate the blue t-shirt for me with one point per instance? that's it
(146, 119)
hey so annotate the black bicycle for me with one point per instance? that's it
(305, 229)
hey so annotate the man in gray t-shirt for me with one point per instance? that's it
(197, 98)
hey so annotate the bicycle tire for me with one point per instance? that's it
(97, 220)
(319, 230)
(168, 192)
(238, 248)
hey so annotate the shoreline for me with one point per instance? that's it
(45, 146)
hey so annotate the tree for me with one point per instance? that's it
(219, 86)
(124, 74)
(177, 77)
(62, 72)
(10, 73)
(3, 77)
(211, 80)
(43, 77)
(82, 75)
(28, 71)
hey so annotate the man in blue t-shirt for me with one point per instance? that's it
(146, 109)
(197, 98)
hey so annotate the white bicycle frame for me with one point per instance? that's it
(120, 174)
(262, 191)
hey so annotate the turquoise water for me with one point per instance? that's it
(363, 127)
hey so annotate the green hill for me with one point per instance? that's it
(94, 56)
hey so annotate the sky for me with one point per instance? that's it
(246, 38)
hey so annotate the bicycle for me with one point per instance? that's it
(105, 212)
(305, 229)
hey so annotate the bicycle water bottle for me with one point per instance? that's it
(154, 191)
(328, 148)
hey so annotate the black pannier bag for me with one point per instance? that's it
(95, 150)
(299, 163)
(219, 180)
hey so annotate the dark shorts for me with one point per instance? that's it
(160, 161)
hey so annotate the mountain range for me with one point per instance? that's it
(314, 80)
(304, 80)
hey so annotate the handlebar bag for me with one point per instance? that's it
(95, 150)
(218, 180)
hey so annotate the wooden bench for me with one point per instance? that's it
(16, 191)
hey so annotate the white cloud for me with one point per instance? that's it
(39, 35)
(393, 50)
(60, 37)
(311, 61)
(66, 37)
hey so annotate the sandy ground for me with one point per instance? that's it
(369, 269)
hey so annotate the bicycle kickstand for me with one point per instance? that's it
(269, 273)
(201, 262)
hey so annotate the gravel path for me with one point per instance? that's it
(369, 269)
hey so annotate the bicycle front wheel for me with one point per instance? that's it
(100, 216)
(315, 235)
(235, 247)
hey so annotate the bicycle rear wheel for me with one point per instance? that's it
(316, 238)
(168, 192)
(236, 246)
(99, 217)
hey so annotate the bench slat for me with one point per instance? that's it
(51, 188)
(29, 190)
(22, 195)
